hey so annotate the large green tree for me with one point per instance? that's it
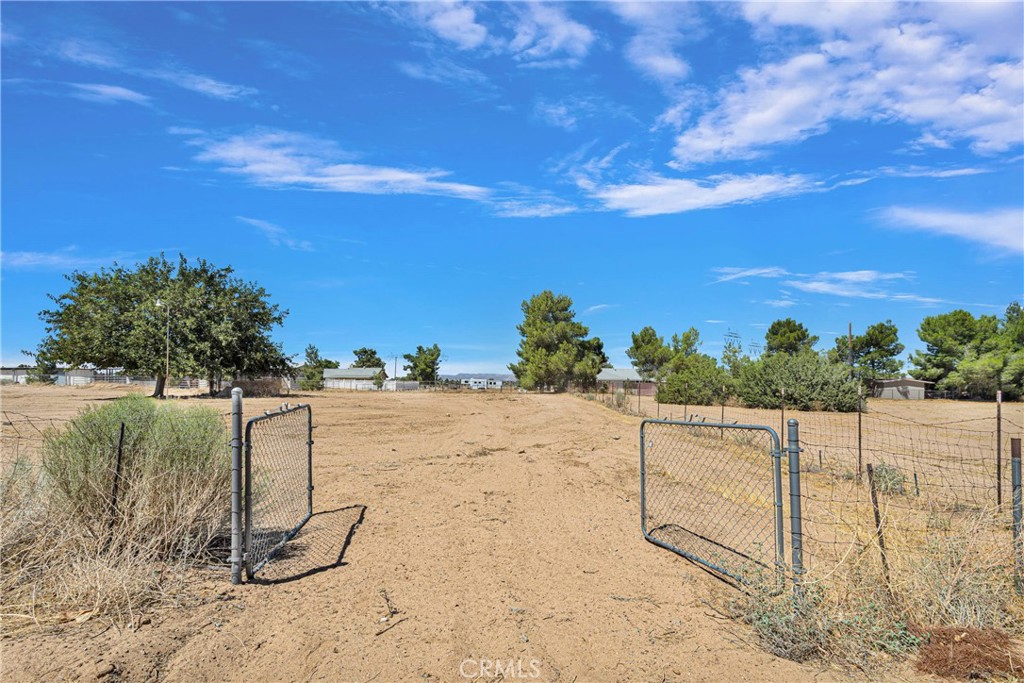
(367, 358)
(555, 350)
(424, 364)
(698, 380)
(873, 353)
(649, 353)
(993, 361)
(788, 336)
(214, 324)
(949, 339)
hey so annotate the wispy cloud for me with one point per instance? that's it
(858, 284)
(999, 228)
(659, 195)
(67, 258)
(99, 55)
(98, 92)
(275, 158)
(280, 58)
(596, 308)
(446, 72)
(714, 322)
(277, 235)
(779, 303)
(729, 273)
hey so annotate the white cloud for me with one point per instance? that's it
(277, 235)
(204, 85)
(98, 92)
(875, 62)
(545, 36)
(659, 195)
(596, 308)
(275, 158)
(453, 21)
(67, 258)
(999, 228)
(660, 29)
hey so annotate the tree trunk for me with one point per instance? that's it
(158, 390)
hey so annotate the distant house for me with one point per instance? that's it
(353, 379)
(15, 375)
(904, 388)
(77, 377)
(481, 383)
(613, 379)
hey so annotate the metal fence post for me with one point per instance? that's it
(1018, 540)
(795, 502)
(860, 431)
(236, 485)
(309, 471)
(999, 448)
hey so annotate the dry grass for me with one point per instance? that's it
(69, 553)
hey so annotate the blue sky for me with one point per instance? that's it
(403, 174)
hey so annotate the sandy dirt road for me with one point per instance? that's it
(501, 527)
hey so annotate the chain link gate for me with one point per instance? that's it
(271, 484)
(713, 494)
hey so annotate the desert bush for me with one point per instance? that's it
(811, 383)
(67, 549)
(889, 479)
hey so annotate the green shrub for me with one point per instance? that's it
(67, 548)
(810, 381)
(889, 479)
(698, 381)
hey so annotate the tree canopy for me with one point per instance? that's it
(874, 352)
(219, 325)
(313, 369)
(973, 356)
(555, 350)
(788, 336)
(649, 353)
(367, 358)
(424, 364)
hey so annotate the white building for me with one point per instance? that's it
(353, 379)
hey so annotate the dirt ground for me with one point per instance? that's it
(451, 531)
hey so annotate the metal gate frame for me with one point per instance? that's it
(776, 454)
(242, 485)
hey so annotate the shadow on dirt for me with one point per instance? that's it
(320, 545)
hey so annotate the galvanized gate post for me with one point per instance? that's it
(236, 485)
(309, 462)
(795, 503)
(780, 531)
(1018, 513)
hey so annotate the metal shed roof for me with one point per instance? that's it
(618, 375)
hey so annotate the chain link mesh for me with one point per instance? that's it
(709, 494)
(278, 482)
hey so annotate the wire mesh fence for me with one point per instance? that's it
(714, 494)
(930, 530)
(278, 482)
